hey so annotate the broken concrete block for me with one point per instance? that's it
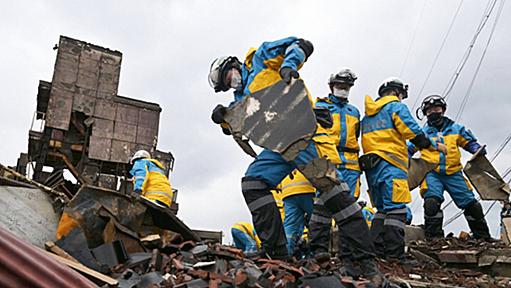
(459, 256)
(199, 250)
(414, 233)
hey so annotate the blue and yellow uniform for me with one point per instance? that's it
(345, 132)
(245, 237)
(298, 196)
(386, 126)
(261, 69)
(149, 177)
(449, 177)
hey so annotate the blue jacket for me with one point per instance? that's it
(345, 129)
(262, 65)
(386, 126)
(149, 177)
(453, 135)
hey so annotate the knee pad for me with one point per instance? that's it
(431, 206)
(474, 210)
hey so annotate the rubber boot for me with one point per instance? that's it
(349, 269)
(433, 218)
(265, 216)
(349, 219)
(476, 222)
(394, 235)
(377, 233)
(319, 232)
(371, 272)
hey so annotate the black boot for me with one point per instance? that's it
(319, 232)
(476, 222)
(371, 272)
(350, 221)
(394, 234)
(377, 234)
(349, 269)
(265, 216)
(433, 218)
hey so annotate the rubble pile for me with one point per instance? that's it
(189, 264)
(459, 262)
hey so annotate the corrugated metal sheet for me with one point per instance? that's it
(23, 265)
(28, 213)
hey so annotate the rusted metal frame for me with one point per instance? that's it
(77, 124)
(43, 153)
(69, 165)
(37, 184)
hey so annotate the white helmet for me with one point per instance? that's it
(218, 72)
(140, 154)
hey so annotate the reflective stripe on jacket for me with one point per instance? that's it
(386, 126)
(298, 185)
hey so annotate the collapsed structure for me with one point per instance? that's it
(94, 225)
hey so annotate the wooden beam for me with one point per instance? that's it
(84, 269)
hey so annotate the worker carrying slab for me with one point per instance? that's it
(267, 67)
(149, 179)
(448, 176)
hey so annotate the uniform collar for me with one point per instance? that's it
(337, 100)
(447, 123)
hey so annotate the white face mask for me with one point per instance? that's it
(341, 93)
(235, 80)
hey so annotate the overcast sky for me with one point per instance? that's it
(168, 47)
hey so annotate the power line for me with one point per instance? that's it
(461, 65)
(501, 147)
(467, 94)
(438, 54)
(413, 40)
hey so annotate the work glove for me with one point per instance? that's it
(287, 73)
(323, 117)
(225, 129)
(441, 147)
(218, 114)
(135, 195)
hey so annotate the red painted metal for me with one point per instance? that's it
(23, 265)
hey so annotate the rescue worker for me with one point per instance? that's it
(386, 126)
(149, 179)
(345, 132)
(263, 67)
(298, 196)
(448, 175)
(245, 237)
